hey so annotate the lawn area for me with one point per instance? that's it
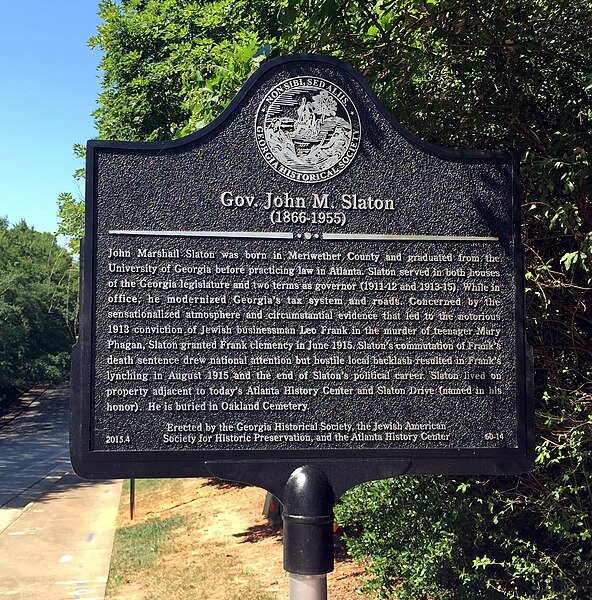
(205, 539)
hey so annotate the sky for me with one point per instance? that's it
(49, 85)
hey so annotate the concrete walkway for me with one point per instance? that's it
(56, 530)
(33, 449)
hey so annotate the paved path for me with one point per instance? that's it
(56, 530)
(33, 450)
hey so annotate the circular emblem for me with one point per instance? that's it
(308, 129)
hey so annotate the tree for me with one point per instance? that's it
(490, 75)
(324, 105)
(169, 67)
(71, 209)
(37, 307)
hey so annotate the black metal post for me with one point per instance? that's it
(308, 533)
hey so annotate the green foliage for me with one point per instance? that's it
(504, 537)
(38, 285)
(71, 209)
(169, 67)
(491, 75)
(71, 220)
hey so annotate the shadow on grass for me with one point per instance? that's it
(256, 533)
(223, 484)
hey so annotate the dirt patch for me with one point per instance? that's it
(228, 532)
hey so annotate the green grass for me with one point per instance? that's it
(158, 555)
(137, 546)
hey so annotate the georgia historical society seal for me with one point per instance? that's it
(308, 129)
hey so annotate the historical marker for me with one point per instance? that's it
(301, 282)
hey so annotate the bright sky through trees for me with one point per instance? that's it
(49, 84)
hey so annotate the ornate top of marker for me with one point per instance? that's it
(308, 129)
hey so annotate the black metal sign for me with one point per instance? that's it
(301, 282)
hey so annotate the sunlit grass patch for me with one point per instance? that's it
(136, 547)
(164, 554)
